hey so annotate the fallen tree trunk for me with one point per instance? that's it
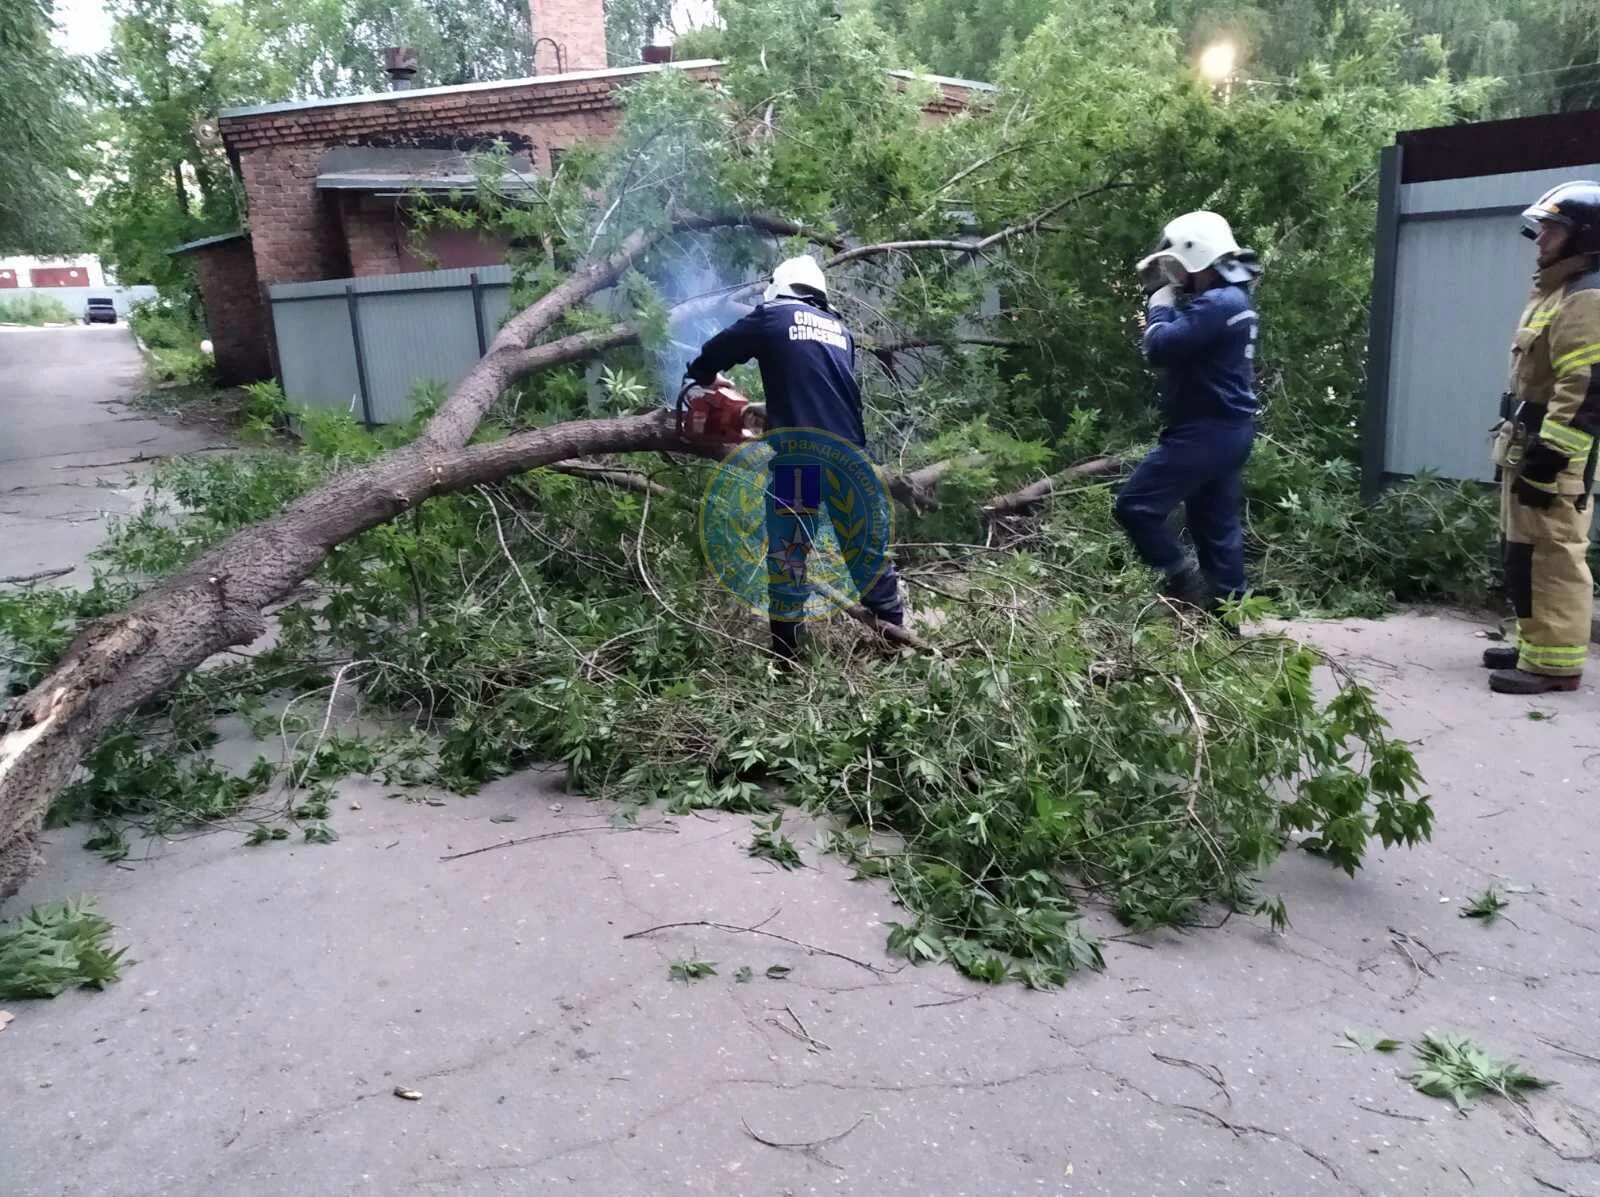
(124, 660)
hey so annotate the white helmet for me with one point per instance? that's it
(1198, 240)
(792, 278)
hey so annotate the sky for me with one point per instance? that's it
(85, 27)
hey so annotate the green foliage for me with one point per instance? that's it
(43, 134)
(769, 843)
(691, 970)
(162, 787)
(1455, 1067)
(160, 324)
(1371, 1043)
(1486, 907)
(34, 309)
(54, 948)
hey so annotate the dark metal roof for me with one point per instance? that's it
(398, 170)
(203, 242)
(1500, 147)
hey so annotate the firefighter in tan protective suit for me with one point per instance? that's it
(1545, 450)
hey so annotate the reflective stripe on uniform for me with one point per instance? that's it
(1542, 317)
(1578, 359)
(1546, 656)
(1549, 488)
(1571, 441)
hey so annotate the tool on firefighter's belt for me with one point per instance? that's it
(714, 415)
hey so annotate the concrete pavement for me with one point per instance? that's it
(66, 443)
(280, 995)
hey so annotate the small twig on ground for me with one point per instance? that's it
(1565, 1050)
(1210, 1071)
(142, 458)
(947, 1002)
(1389, 1113)
(803, 1035)
(23, 579)
(807, 1147)
(756, 930)
(663, 825)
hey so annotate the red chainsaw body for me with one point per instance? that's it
(714, 415)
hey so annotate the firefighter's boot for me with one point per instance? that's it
(1189, 587)
(1503, 657)
(1517, 681)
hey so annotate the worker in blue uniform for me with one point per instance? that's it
(1201, 330)
(807, 359)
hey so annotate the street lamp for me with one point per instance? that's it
(1216, 64)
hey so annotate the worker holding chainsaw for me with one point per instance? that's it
(1544, 449)
(1200, 331)
(807, 360)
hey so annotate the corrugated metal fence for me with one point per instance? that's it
(1450, 279)
(364, 344)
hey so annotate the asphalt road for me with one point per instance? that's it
(68, 443)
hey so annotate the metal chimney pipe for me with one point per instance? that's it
(401, 64)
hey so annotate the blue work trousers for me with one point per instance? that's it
(790, 535)
(1199, 465)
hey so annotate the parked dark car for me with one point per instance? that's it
(100, 311)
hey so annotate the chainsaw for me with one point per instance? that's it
(715, 415)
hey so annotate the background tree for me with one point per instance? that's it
(630, 26)
(43, 135)
(1546, 52)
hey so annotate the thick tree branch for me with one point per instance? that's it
(1032, 496)
(904, 344)
(916, 489)
(621, 479)
(970, 245)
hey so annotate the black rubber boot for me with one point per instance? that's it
(1515, 681)
(1189, 587)
(1500, 658)
(786, 643)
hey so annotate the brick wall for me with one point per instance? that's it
(294, 226)
(374, 233)
(235, 316)
(300, 233)
(578, 26)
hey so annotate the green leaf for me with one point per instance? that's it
(691, 970)
(778, 972)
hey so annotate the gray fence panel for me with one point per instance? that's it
(1460, 285)
(410, 339)
(316, 357)
(1461, 276)
(415, 328)
(496, 305)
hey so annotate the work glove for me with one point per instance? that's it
(1166, 297)
(1543, 463)
(1530, 495)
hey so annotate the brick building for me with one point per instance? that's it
(328, 183)
(231, 292)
